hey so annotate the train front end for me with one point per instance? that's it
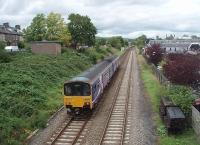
(78, 98)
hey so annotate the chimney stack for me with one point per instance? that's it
(18, 27)
(6, 25)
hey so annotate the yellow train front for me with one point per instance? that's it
(78, 97)
(83, 92)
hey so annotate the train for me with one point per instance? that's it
(83, 92)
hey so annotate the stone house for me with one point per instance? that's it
(10, 35)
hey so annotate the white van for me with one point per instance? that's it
(11, 48)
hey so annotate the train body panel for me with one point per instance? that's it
(85, 90)
(78, 101)
(97, 90)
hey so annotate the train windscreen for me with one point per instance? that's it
(77, 89)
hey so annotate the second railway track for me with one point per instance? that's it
(116, 131)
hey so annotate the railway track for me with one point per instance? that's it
(116, 131)
(71, 133)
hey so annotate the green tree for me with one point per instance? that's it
(116, 42)
(140, 41)
(126, 43)
(21, 45)
(55, 25)
(101, 41)
(65, 36)
(82, 30)
(37, 30)
(57, 29)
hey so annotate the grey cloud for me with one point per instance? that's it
(123, 2)
(119, 17)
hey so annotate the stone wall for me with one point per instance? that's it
(46, 48)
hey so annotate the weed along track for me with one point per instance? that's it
(116, 128)
(70, 133)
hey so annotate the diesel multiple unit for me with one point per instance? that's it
(83, 92)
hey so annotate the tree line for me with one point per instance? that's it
(79, 31)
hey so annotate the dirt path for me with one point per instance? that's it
(142, 130)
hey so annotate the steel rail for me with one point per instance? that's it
(113, 105)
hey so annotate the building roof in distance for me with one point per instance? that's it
(46, 41)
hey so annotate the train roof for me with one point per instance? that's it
(91, 73)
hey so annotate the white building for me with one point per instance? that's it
(177, 46)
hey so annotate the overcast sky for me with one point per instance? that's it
(129, 18)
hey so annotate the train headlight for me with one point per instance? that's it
(86, 103)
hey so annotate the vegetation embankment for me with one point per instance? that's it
(179, 94)
(31, 88)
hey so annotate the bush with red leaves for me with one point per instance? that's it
(183, 69)
(155, 54)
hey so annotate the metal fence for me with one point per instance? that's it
(159, 75)
(196, 121)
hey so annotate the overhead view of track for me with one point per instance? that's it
(115, 129)
(70, 133)
(74, 129)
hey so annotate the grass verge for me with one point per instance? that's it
(155, 91)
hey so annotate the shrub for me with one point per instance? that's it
(64, 50)
(181, 96)
(182, 69)
(155, 54)
(108, 49)
(4, 57)
(21, 45)
(2, 45)
(101, 50)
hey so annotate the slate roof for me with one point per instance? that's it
(173, 43)
(9, 30)
(182, 45)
